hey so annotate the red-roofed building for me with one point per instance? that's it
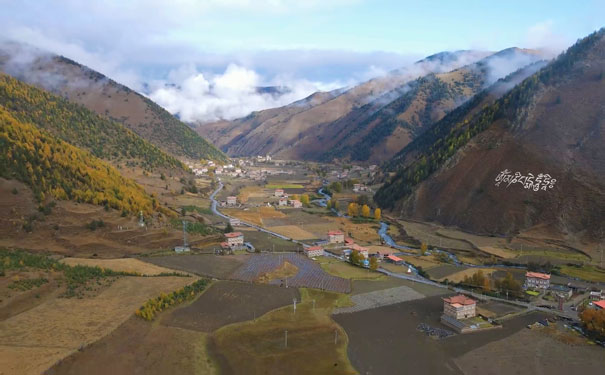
(349, 241)
(459, 307)
(600, 304)
(231, 201)
(314, 251)
(361, 249)
(537, 280)
(235, 239)
(394, 259)
(279, 192)
(336, 236)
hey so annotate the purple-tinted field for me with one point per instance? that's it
(310, 274)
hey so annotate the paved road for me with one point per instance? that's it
(215, 210)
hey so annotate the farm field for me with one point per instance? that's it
(444, 271)
(293, 231)
(309, 275)
(34, 340)
(533, 352)
(258, 347)
(429, 234)
(119, 265)
(366, 286)
(254, 215)
(376, 348)
(206, 265)
(227, 302)
(267, 242)
(345, 270)
(365, 233)
(140, 347)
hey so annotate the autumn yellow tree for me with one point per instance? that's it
(373, 263)
(365, 211)
(353, 209)
(594, 320)
(377, 213)
(304, 199)
(423, 248)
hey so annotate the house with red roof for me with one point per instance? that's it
(599, 304)
(362, 250)
(459, 307)
(336, 236)
(394, 259)
(279, 192)
(314, 251)
(235, 239)
(537, 280)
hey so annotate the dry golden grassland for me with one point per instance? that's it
(34, 340)
(254, 215)
(286, 270)
(247, 192)
(120, 265)
(293, 231)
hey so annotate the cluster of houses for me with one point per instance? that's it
(284, 200)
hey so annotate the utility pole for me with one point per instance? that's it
(294, 305)
(286, 339)
(313, 305)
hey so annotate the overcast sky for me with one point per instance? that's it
(313, 44)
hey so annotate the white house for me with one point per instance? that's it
(296, 203)
(537, 280)
(235, 239)
(231, 201)
(336, 236)
(279, 192)
(314, 251)
(283, 201)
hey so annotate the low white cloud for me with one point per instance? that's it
(198, 97)
(543, 35)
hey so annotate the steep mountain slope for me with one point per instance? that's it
(374, 133)
(77, 125)
(84, 86)
(54, 168)
(277, 131)
(532, 159)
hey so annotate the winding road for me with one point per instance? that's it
(215, 210)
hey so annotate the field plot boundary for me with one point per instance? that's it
(379, 298)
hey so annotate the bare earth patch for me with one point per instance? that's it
(34, 340)
(227, 302)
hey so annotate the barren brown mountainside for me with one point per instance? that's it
(532, 160)
(288, 132)
(82, 85)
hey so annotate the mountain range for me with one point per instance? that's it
(372, 121)
(531, 159)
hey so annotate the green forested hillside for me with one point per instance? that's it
(54, 168)
(77, 125)
(433, 148)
